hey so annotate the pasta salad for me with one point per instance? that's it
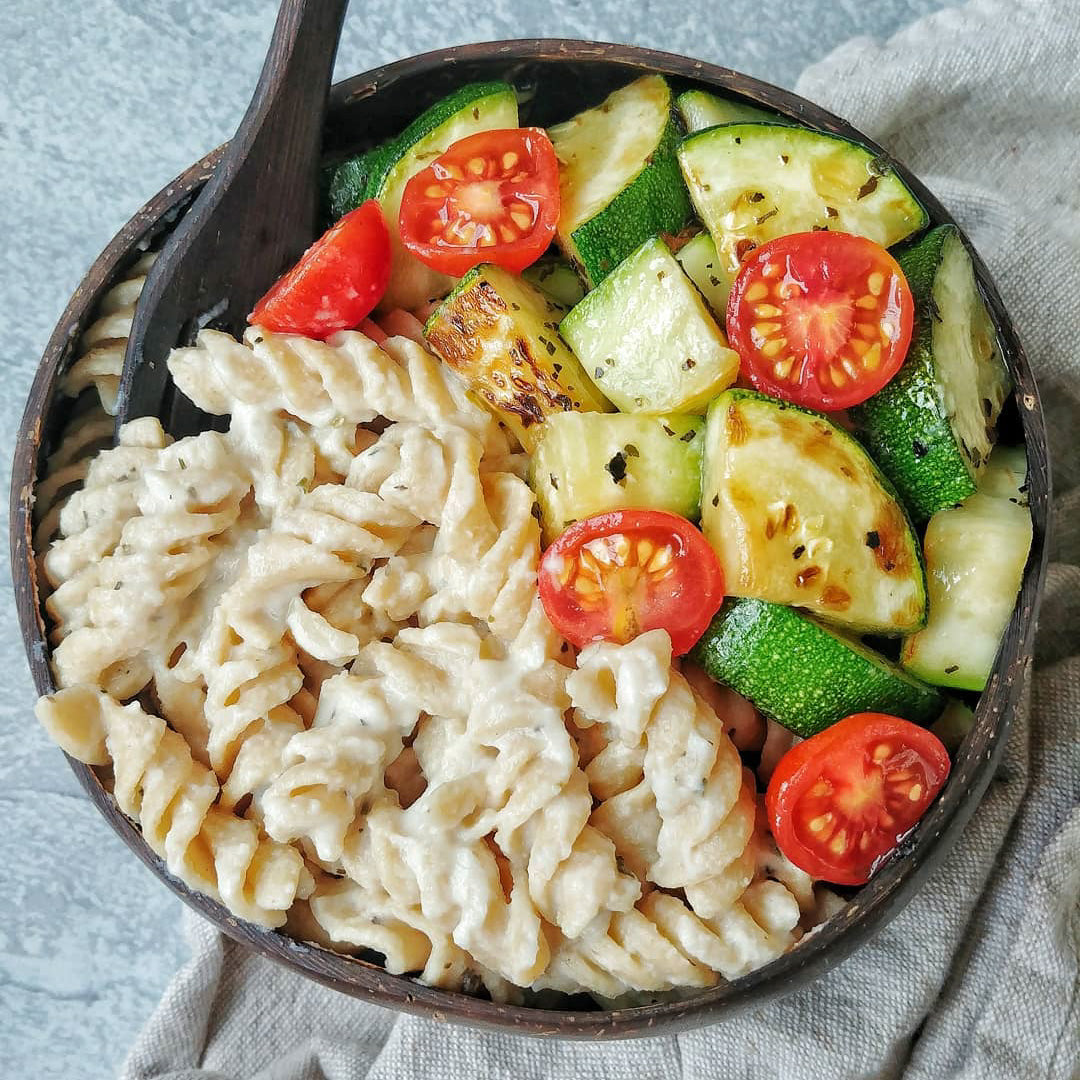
(570, 602)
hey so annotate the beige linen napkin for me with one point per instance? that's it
(977, 978)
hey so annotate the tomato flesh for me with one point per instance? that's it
(841, 800)
(493, 197)
(822, 319)
(336, 283)
(613, 576)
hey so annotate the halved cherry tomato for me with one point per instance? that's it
(822, 319)
(613, 576)
(841, 800)
(336, 283)
(492, 197)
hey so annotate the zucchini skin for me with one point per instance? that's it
(432, 118)
(802, 674)
(655, 201)
(904, 425)
(500, 334)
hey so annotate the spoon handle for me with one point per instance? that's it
(252, 220)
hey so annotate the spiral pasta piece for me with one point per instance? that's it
(186, 497)
(689, 820)
(345, 380)
(103, 343)
(159, 786)
(661, 944)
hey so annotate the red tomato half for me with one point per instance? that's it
(822, 319)
(613, 576)
(844, 798)
(336, 283)
(493, 197)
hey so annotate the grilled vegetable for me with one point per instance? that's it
(620, 181)
(699, 110)
(585, 463)
(802, 673)
(932, 427)
(702, 266)
(755, 182)
(646, 338)
(799, 514)
(557, 278)
(975, 558)
(501, 334)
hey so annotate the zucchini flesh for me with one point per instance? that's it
(469, 109)
(501, 335)
(798, 514)
(754, 182)
(975, 559)
(703, 267)
(587, 463)
(619, 178)
(647, 340)
(556, 278)
(699, 110)
(802, 673)
(932, 426)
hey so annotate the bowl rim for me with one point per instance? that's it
(822, 948)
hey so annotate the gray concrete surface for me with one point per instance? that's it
(101, 103)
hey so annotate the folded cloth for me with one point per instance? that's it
(978, 976)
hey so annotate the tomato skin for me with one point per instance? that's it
(449, 208)
(875, 793)
(337, 281)
(623, 597)
(837, 306)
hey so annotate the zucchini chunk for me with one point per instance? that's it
(953, 725)
(754, 182)
(931, 427)
(799, 514)
(802, 673)
(975, 558)
(699, 110)
(646, 338)
(618, 177)
(587, 463)
(349, 180)
(501, 335)
(557, 278)
(703, 267)
(469, 109)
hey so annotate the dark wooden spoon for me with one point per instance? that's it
(253, 219)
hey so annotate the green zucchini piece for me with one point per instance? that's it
(802, 673)
(586, 463)
(618, 176)
(469, 109)
(754, 182)
(798, 514)
(699, 110)
(349, 180)
(557, 278)
(975, 558)
(931, 427)
(953, 725)
(703, 267)
(646, 338)
(501, 335)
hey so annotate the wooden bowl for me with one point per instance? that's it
(566, 75)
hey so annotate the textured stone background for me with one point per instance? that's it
(102, 102)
